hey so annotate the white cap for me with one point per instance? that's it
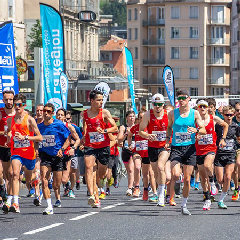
(202, 102)
(158, 95)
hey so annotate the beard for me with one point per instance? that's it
(7, 107)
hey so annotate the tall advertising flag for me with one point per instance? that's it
(129, 63)
(168, 79)
(8, 69)
(53, 54)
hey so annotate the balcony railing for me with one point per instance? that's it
(154, 42)
(219, 21)
(153, 81)
(153, 61)
(218, 61)
(219, 41)
(220, 82)
(153, 22)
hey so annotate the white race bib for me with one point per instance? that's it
(182, 137)
(96, 137)
(229, 145)
(21, 143)
(160, 135)
(126, 144)
(142, 145)
(206, 139)
(48, 141)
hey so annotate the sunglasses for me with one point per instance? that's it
(182, 98)
(229, 115)
(68, 118)
(158, 104)
(202, 106)
(19, 104)
(47, 111)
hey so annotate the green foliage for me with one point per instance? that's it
(117, 9)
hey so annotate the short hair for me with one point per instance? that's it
(182, 92)
(142, 111)
(21, 97)
(237, 103)
(8, 92)
(50, 105)
(129, 112)
(62, 109)
(40, 105)
(93, 94)
(228, 108)
(211, 101)
(68, 113)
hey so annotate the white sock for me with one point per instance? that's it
(184, 202)
(9, 199)
(49, 202)
(222, 196)
(15, 199)
(161, 190)
(102, 190)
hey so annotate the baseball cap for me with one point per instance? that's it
(202, 102)
(158, 95)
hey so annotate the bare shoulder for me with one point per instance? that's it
(106, 113)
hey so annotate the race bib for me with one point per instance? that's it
(205, 139)
(48, 141)
(183, 137)
(142, 145)
(96, 137)
(160, 135)
(126, 144)
(21, 143)
(229, 145)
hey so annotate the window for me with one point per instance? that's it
(135, 14)
(217, 54)
(161, 53)
(217, 91)
(129, 34)
(160, 13)
(193, 12)
(11, 9)
(218, 14)
(136, 33)
(136, 73)
(194, 73)
(175, 52)
(193, 32)
(193, 53)
(136, 52)
(129, 14)
(175, 32)
(193, 91)
(177, 73)
(217, 75)
(217, 34)
(159, 76)
(175, 12)
(106, 56)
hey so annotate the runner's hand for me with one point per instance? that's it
(19, 136)
(71, 152)
(151, 137)
(99, 130)
(167, 146)
(222, 143)
(60, 153)
(191, 130)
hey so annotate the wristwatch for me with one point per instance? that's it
(62, 149)
(26, 137)
(105, 131)
(73, 148)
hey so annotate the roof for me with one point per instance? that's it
(114, 44)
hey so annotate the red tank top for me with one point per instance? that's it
(3, 126)
(158, 127)
(207, 143)
(23, 148)
(94, 139)
(114, 149)
(141, 144)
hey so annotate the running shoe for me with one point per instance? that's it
(110, 181)
(154, 198)
(167, 199)
(66, 192)
(102, 195)
(3, 192)
(15, 208)
(222, 205)
(1, 203)
(116, 184)
(192, 182)
(71, 194)
(91, 199)
(136, 192)
(214, 190)
(172, 202)
(57, 204)
(50, 184)
(232, 185)
(6, 208)
(96, 204)
(145, 195)
(129, 192)
(78, 185)
(185, 211)
(235, 195)
(108, 191)
(31, 192)
(48, 211)
(103, 182)
(207, 205)
(196, 186)
(37, 201)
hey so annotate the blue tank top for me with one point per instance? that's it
(180, 135)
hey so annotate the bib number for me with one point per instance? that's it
(96, 137)
(48, 141)
(21, 143)
(126, 144)
(160, 135)
(183, 137)
(142, 145)
(229, 145)
(206, 139)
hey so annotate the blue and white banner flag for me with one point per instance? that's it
(105, 89)
(64, 89)
(53, 54)
(168, 79)
(8, 69)
(129, 64)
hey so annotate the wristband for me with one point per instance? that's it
(26, 137)
(62, 149)
(223, 138)
(73, 148)
(105, 131)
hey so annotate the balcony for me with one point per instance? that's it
(218, 41)
(129, 2)
(217, 82)
(152, 42)
(154, 22)
(153, 81)
(153, 62)
(219, 22)
(218, 62)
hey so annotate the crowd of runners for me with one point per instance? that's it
(164, 146)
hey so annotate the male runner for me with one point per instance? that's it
(181, 123)
(22, 132)
(97, 142)
(156, 122)
(55, 142)
(5, 152)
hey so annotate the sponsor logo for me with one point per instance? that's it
(6, 55)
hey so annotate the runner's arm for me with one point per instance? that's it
(169, 127)
(121, 136)
(199, 122)
(108, 117)
(33, 125)
(129, 139)
(112, 139)
(64, 147)
(74, 135)
(143, 125)
(219, 121)
(1, 132)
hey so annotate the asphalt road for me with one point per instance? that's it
(121, 217)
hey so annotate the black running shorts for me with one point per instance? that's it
(101, 154)
(5, 154)
(56, 163)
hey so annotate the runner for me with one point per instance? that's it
(226, 155)
(22, 133)
(55, 142)
(206, 150)
(126, 153)
(97, 143)
(5, 151)
(182, 121)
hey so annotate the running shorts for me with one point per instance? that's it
(56, 163)
(153, 153)
(101, 154)
(201, 158)
(5, 154)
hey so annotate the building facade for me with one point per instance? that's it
(191, 36)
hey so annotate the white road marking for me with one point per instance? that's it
(83, 216)
(43, 228)
(113, 206)
(10, 239)
(135, 199)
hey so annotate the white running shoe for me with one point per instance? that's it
(207, 205)
(214, 190)
(48, 211)
(129, 192)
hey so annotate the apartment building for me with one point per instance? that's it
(191, 36)
(235, 48)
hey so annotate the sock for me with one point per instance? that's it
(184, 202)
(101, 190)
(161, 189)
(207, 195)
(9, 199)
(49, 202)
(15, 199)
(222, 196)
(211, 179)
